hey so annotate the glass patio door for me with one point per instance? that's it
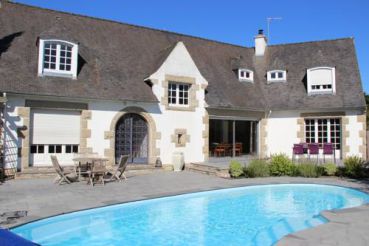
(131, 138)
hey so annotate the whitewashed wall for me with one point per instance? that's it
(282, 132)
(180, 63)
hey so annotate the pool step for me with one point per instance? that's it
(270, 235)
(209, 170)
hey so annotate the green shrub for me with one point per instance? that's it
(340, 171)
(281, 165)
(295, 171)
(330, 169)
(354, 167)
(235, 169)
(257, 168)
(309, 170)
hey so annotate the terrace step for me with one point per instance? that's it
(208, 170)
(47, 172)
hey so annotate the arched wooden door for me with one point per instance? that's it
(131, 138)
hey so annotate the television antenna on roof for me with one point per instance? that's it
(269, 20)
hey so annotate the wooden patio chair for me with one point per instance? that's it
(97, 173)
(62, 175)
(220, 149)
(118, 173)
(238, 149)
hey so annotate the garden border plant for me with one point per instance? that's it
(282, 165)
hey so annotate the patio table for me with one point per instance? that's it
(84, 164)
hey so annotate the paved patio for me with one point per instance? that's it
(41, 199)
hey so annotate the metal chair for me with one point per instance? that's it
(297, 150)
(314, 150)
(328, 149)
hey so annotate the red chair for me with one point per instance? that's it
(297, 150)
(328, 149)
(314, 150)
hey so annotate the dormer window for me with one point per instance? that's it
(245, 75)
(277, 76)
(321, 80)
(58, 58)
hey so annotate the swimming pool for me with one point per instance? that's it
(253, 215)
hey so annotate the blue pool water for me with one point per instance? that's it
(255, 215)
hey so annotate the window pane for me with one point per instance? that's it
(272, 75)
(75, 148)
(58, 149)
(51, 148)
(33, 149)
(280, 75)
(68, 149)
(310, 131)
(41, 149)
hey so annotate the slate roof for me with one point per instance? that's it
(115, 58)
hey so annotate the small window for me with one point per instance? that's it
(58, 149)
(51, 149)
(58, 58)
(33, 149)
(75, 148)
(245, 75)
(71, 148)
(321, 80)
(37, 149)
(178, 94)
(41, 149)
(68, 149)
(277, 76)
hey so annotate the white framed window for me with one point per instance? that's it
(71, 148)
(178, 94)
(37, 149)
(277, 76)
(55, 148)
(323, 131)
(321, 80)
(58, 58)
(245, 75)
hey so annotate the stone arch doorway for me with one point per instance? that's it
(153, 135)
(132, 138)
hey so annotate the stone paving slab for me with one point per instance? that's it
(41, 198)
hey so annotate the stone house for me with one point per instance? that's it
(73, 83)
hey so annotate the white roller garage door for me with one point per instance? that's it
(54, 132)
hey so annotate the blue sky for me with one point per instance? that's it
(237, 21)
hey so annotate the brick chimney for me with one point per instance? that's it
(260, 43)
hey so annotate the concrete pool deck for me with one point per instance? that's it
(41, 198)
